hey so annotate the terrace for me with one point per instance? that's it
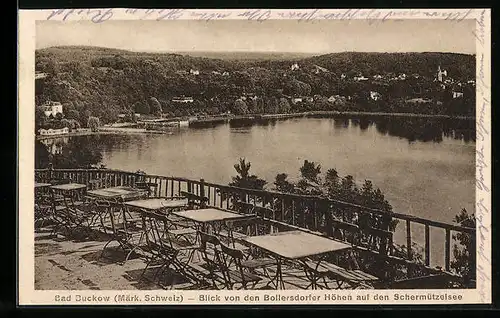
(110, 229)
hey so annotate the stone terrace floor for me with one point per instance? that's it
(69, 264)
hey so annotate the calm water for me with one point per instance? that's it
(423, 169)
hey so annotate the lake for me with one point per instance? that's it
(425, 167)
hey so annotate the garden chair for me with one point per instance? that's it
(233, 272)
(209, 268)
(175, 254)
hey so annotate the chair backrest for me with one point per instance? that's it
(378, 239)
(230, 257)
(244, 207)
(195, 200)
(151, 187)
(96, 183)
(155, 227)
(236, 254)
(264, 212)
(248, 225)
(439, 281)
(210, 256)
(208, 238)
(341, 230)
(59, 181)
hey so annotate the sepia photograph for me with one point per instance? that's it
(211, 155)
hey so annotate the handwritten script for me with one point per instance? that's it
(483, 212)
(260, 15)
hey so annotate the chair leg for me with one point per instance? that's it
(104, 248)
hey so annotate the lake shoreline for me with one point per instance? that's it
(218, 119)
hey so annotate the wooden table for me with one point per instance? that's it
(41, 185)
(209, 218)
(69, 187)
(206, 216)
(72, 190)
(294, 245)
(123, 192)
(156, 204)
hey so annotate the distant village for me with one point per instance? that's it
(54, 109)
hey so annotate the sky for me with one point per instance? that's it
(271, 35)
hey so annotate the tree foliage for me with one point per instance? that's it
(464, 262)
(93, 123)
(154, 106)
(244, 179)
(106, 82)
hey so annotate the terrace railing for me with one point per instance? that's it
(312, 213)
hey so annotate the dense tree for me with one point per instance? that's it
(154, 106)
(244, 179)
(42, 155)
(66, 123)
(142, 108)
(93, 123)
(464, 262)
(72, 114)
(81, 153)
(240, 107)
(282, 184)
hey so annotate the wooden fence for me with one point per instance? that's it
(308, 212)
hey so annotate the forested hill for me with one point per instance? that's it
(104, 82)
(461, 66)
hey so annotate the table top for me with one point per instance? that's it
(69, 186)
(42, 185)
(157, 203)
(209, 215)
(121, 191)
(296, 244)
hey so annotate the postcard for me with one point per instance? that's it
(254, 156)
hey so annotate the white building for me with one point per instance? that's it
(458, 94)
(40, 75)
(52, 108)
(294, 66)
(360, 78)
(375, 95)
(441, 74)
(194, 72)
(52, 132)
(182, 99)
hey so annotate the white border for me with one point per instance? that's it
(27, 18)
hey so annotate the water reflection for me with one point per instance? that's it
(411, 129)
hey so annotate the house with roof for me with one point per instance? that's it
(40, 75)
(318, 69)
(375, 95)
(294, 67)
(52, 108)
(194, 72)
(360, 78)
(441, 74)
(182, 99)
